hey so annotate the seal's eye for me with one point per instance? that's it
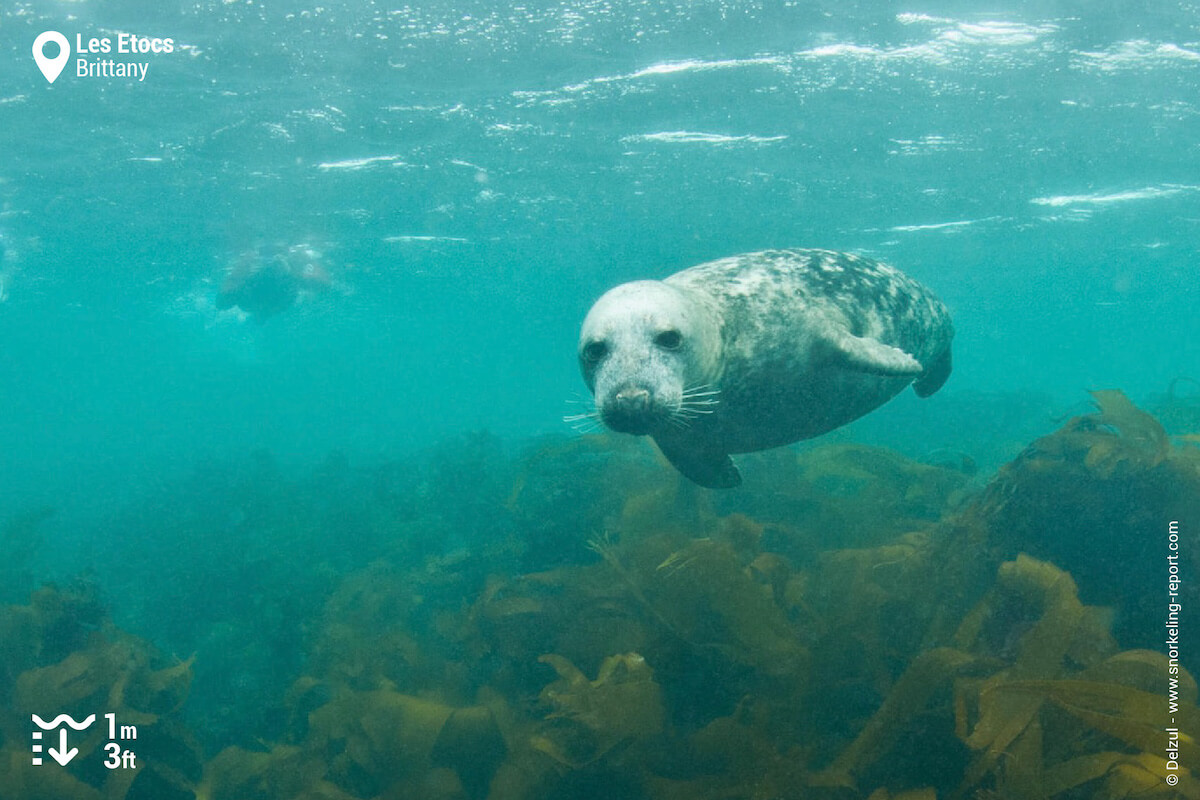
(594, 351)
(669, 339)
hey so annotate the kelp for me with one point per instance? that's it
(1115, 473)
(843, 494)
(368, 744)
(1179, 409)
(568, 491)
(352, 731)
(740, 759)
(238, 774)
(1141, 442)
(1137, 718)
(1007, 695)
(1117, 441)
(702, 592)
(378, 599)
(1117, 776)
(869, 601)
(622, 707)
(789, 643)
(929, 672)
(396, 739)
(849, 625)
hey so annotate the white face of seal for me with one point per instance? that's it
(642, 347)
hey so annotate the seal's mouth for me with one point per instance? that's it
(631, 410)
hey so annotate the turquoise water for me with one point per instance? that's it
(472, 176)
(475, 177)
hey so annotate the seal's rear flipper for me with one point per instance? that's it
(935, 376)
(873, 356)
(709, 469)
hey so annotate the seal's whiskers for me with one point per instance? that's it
(585, 422)
(702, 394)
(679, 421)
(697, 400)
(586, 426)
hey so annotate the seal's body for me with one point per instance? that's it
(757, 351)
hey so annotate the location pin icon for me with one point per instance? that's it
(51, 67)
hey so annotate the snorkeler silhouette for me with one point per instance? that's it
(270, 279)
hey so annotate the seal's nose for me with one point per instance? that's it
(630, 410)
(632, 401)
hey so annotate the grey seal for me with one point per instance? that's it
(757, 351)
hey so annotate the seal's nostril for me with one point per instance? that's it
(633, 399)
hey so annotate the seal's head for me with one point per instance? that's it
(648, 352)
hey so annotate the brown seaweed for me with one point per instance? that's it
(621, 707)
(634, 637)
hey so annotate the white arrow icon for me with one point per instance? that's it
(62, 755)
(51, 67)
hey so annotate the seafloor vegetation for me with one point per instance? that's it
(578, 622)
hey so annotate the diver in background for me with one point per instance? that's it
(271, 278)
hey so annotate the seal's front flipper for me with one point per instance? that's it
(711, 470)
(935, 375)
(871, 355)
